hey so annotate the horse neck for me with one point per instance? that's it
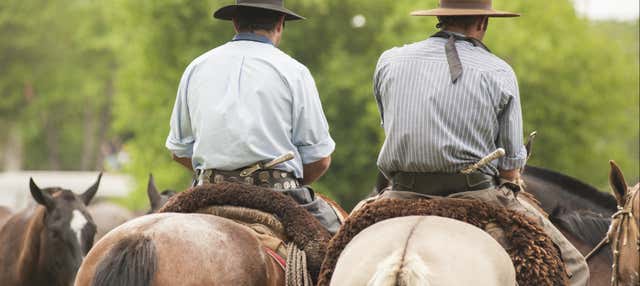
(568, 191)
(29, 258)
(626, 240)
(34, 265)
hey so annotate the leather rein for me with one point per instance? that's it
(623, 213)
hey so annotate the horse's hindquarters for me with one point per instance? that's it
(425, 251)
(189, 249)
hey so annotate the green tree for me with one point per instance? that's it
(57, 81)
(579, 87)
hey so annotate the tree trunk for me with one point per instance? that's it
(13, 148)
(105, 117)
(51, 137)
(89, 149)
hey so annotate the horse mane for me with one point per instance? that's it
(584, 225)
(131, 262)
(302, 228)
(573, 186)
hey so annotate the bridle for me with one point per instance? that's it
(614, 236)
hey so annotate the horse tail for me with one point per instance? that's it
(401, 269)
(131, 262)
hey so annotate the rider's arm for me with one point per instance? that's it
(510, 123)
(315, 170)
(310, 129)
(181, 139)
(186, 162)
(510, 175)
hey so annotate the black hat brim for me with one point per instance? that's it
(228, 12)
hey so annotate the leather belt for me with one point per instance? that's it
(441, 184)
(270, 178)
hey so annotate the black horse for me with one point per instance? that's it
(559, 193)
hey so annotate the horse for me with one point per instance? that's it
(157, 199)
(108, 215)
(439, 242)
(179, 249)
(5, 214)
(580, 211)
(624, 235)
(585, 229)
(44, 244)
(423, 250)
(558, 192)
(169, 248)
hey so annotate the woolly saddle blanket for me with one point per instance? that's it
(535, 258)
(281, 216)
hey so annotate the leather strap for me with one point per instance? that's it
(453, 58)
(277, 258)
(440, 184)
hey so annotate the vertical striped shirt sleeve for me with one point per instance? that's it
(510, 121)
(181, 139)
(377, 88)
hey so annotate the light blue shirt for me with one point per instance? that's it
(244, 102)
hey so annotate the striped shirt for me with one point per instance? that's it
(434, 126)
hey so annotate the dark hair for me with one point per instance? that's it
(456, 21)
(252, 19)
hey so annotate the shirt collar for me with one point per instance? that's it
(252, 37)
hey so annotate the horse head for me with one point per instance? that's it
(624, 233)
(67, 227)
(157, 199)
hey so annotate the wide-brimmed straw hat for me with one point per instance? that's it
(465, 8)
(229, 11)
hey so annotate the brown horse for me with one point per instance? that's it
(5, 214)
(157, 199)
(624, 235)
(108, 215)
(45, 243)
(179, 249)
(170, 248)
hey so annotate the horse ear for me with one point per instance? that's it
(617, 183)
(42, 197)
(91, 191)
(152, 192)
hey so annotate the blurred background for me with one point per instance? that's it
(89, 85)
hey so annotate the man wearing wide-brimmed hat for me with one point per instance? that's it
(447, 102)
(246, 103)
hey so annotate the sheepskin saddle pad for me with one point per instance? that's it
(535, 258)
(281, 215)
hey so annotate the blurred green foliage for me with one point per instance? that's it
(57, 69)
(578, 79)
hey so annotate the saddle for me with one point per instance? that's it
(283, 225)
(536, 259)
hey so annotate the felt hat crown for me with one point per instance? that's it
(229, 11)
(465, 8)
